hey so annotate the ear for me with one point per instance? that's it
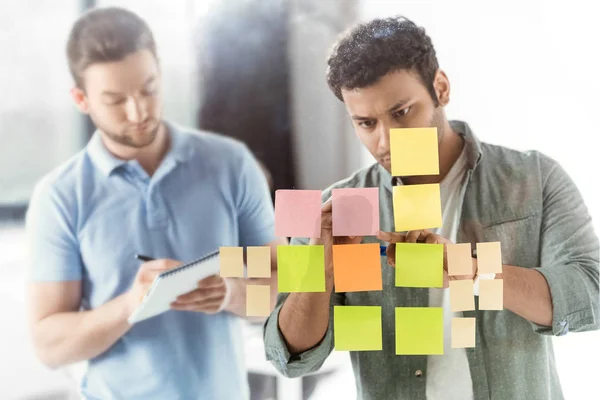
(441, 85)
(80, 100)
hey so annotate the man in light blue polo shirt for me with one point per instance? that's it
(140, 186)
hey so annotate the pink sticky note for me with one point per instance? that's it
(355, 212)
(298, 213)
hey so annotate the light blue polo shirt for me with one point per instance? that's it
(90, 216)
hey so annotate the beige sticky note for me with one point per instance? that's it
(258, 261)
(258, 300)
(463, 333)
(489, 258)
(491, 294)
(232, 262)
(462, 297)
(459, 259)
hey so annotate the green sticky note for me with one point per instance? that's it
(419, 265)
(419, 330)
(357, 328)
(300, 269)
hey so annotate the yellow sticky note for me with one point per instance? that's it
(463, 333)
(459, 258)
(417, 207)
(489, 258)
(419, 265)
(357, 328)
(462, 296)
(301, 268)
(491, 294)
(232, 262)
(258, 300)
(259, 261)
(414, 151)
(419, 330)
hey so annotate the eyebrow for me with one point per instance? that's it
(391, 109)
(109, 93)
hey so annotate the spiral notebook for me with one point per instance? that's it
(175, 282)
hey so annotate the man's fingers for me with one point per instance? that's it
(432, 238)
(198, 295)
(391, 237)
(326, 207)
(206, 306)
(211, 281)
(161, 265)
(391, 254)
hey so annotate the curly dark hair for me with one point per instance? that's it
(367, 52)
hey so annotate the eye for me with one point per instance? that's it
(150, 91)
(367, 124)
(116, 102)
(402, 113)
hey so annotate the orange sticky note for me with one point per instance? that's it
(232, 262)
(259, 261)
(489, 258)
(417, 207)
(258, 300)
(414, 151)
(355, 211)
(459, 259)
(462, 296)
(298, 213)
(357, 267)
(491, 294)
(463, 333)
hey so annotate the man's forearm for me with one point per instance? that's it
(526, 293)
(69, 337)
(304, 319)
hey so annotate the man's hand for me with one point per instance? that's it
(144, 278)
(210, 297)
(328, 240)
(422, 236)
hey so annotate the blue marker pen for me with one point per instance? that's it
(382, 251)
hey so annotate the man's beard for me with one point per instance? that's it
(126, 139)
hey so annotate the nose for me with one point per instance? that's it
(384, 138)
(136, 110)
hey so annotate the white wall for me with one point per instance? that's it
(523, 74)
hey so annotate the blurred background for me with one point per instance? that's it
(522, 74)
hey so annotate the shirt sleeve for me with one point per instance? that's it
(256, 217)
(53, 248)
(569, 256)
(276, 349)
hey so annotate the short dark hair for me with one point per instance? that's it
(367, 52)
(105, 35)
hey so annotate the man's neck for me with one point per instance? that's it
(450, 149)
(150, 156)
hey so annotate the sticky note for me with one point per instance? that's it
(258, 260)
(298, 213)
(414, 151)
(357, 267)
(258, 300)
(357, 328)
(463, 333)
(489, 258)
(459, 259)
(301, 268)
(462, 296)
(232, 262)
(419, 330)
(417, 207)
(491, 294)
(355, 212)
(419, 265)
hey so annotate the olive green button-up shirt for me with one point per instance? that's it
(526, 201)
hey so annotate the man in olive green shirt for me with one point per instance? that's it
(387, 75)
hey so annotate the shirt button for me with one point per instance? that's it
(418, 373)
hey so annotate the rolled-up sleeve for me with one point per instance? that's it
(569, 255)
(276, 348)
